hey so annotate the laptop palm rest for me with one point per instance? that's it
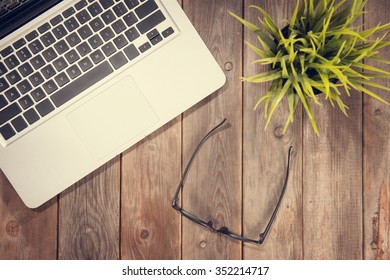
(126, 116)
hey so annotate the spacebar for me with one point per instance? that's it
(78, 86)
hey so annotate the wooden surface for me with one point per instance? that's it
(337, 202)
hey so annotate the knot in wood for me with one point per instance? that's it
(278, 132)
(12, 228)
(144, 234)
(203, 244)
(228, 66)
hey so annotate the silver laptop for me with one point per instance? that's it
(81, 81)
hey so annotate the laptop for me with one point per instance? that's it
(81, 81)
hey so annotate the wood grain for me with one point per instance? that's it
(213, 189)
(332, 181)
(377, 154)
(89, 216)
(265, 159)
(26, 233)
(336, 205)
(150, 174)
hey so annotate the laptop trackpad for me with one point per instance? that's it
(113, 117)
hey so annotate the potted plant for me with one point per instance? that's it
(318, 51)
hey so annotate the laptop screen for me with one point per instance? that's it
(15, 13)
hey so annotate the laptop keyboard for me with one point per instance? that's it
(49, 66)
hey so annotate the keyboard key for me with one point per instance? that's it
(49, 54)
(130, 19)
(83, 49)
(85, 32)
(132, 34)
(107, 33)
(156, 39)
(26, 102)
(11, 62)
(60, 64)
(150, 22)
(145, 9)
(35, 46)
(120, 9)
(131, 52)
(151, 34)
(50, 87)
(48, 71)
(56, 20)
(61, 79)
(3, 69)
(7, 131)
(167, 32)
(13, 77)
(109, 49)
(37, 94)
(31, 116)
(131, 4)
(32, 35)
(96, 24)
(95, 41)
(61, 47)
(97, 56)
(9, 113)
(3, 84)
(59, 31)
(12, 94)
(25, 69)
(108, 17)
(145, 47)
(95, 9)
(71, 24)
(72, 56)
(23, 54)
(81, 4)
(47, 39)
(44, 27)
(85, 64)
(24, 86)
(73, 39)
(79, 85)
(106, 3)
(73, 71)
(120, 41)
(68, 12)
(36, 79)
(37, 62)
(3, 102)
(7, 51)
(118, 26)
(118, 60)
(83, 16)
(19, 43)
(45, 107)
(19, 123)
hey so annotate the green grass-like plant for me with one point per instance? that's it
(318, 51)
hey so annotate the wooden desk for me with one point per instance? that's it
(336, 204)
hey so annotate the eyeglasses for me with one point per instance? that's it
(209, 224)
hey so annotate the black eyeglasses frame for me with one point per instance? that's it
(209, 225)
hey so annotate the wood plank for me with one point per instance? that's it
(26, 233)
(213, 188)
(332, 181)
(89, 216)
(150, 174)
(265, 158)
(377, 154)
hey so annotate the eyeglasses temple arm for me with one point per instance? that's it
(264, 234)
(176, 196)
